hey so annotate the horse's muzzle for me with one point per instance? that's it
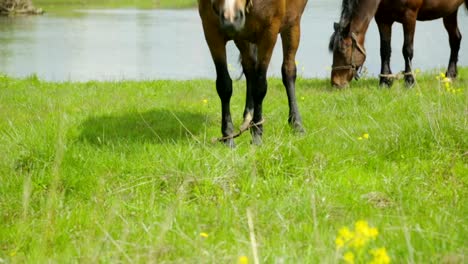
(232, 23)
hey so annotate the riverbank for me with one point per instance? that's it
(144, 4)
(126, 172)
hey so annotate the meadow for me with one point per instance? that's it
(126, 171)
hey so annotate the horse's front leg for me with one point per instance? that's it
(248, 56)
(217, 46)
(385, 30)
(409, 26)
(265, 49)
(224, 89)
(451, 25)
(290, 39)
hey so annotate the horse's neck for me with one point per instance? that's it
(364, 15)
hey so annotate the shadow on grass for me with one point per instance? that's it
(157, 126)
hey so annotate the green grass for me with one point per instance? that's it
(126, 172)
(70, 4)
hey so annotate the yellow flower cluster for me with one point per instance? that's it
(364, 136)
(447, 83)
(355, 242)
(357, 239)
(243, 260)
(380, 256)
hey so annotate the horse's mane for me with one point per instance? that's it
(348, 10)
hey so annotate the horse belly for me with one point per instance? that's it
(435, 9)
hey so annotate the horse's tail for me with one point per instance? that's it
(466, 4)
(253, 53)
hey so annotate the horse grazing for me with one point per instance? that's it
(254, 26)
(347, 42)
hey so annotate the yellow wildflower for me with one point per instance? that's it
(203, 234)
(361, 226)
(380, 256)
(205, 101)
(373, 233)
(339, 242)
(360, 138)
(346, 234)
(359, 242)
(365, 135)
(348, 257)
(364, 233)
(442, 75)
(243, 260)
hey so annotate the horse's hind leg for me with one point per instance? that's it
(290, 39)
(409, 26)
(248, 54)
(451, 25)
(217, 46)
(385, 30)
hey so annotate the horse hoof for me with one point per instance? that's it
(257, 140)
(409, 80)
(409, 83)
(229, 143)
(386, 82)
(298, 128)
(451, 75)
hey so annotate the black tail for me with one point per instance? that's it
(466, 4)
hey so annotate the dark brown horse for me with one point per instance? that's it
(254, 26)
(347, 42)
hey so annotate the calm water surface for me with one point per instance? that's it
(166, 44)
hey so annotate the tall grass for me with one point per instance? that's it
(126, 172)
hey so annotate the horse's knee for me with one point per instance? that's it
(224, 88)
(455, 40)
(408, 51)
(260, 88)
(289, 72)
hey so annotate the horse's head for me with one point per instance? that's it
(348, 55)
(231, 13)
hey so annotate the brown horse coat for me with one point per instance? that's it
(254, 27)
(355, 19)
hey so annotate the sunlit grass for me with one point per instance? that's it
(126, 172)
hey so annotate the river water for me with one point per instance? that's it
(167, 44)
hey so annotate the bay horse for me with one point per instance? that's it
(347, 42)
(254, 26)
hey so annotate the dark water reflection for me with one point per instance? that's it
(165, 44)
